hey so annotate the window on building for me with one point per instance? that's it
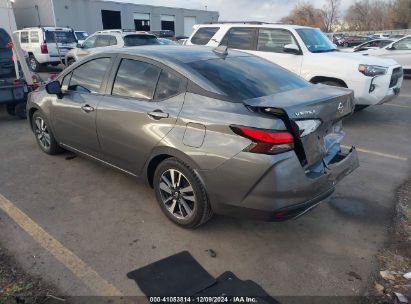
(88, 77)
(24, 37)
(111, 19)
(141, 21)
(203, 35)
(239, 38)
(167, 23)
(136, 79)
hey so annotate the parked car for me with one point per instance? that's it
(372, 45)
(349, 41)
(81, 36)
(379, 36)
(338, 39)
(46, 45)
(399, 50)
(164, 41)
(12, 90)
(211, 131)
(396, 36)
(109, 38)
(308, 53)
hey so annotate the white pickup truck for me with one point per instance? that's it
(307, 52)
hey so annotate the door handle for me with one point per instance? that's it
(87, 108)
(158, 114)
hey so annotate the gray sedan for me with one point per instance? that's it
(211, 131)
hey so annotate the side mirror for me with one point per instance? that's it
(391, 48)
(54, 88)
(292, 49)
(79, 45)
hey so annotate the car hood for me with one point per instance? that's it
(358, 58)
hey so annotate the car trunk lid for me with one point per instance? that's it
(324, 104)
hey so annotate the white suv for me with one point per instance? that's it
(46, 45)
(109, 38)
(307, 52)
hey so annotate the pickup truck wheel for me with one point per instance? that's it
(180, 194)
(20, 110)
(35, 66)
(333, 83)
(44, 135)
(10, 108)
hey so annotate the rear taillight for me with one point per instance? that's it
(43, 48)
(266, 141)
(16, 82)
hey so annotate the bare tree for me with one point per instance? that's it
(305, 13)
(331, 14)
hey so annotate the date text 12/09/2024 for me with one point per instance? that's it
(219, 299)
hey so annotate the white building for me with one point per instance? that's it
(94, 15)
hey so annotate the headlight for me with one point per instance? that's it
(372, 70)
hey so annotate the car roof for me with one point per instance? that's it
(245, 24)
(177, 57)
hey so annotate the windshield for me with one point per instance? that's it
(247, 77)
(60, 36)
(315, 40)
(136, 40)
(81, 35)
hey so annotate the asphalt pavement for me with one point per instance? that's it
(73, 221)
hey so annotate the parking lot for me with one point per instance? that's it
(100, 223)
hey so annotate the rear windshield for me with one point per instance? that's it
(60, 36)
(136, 40)
(247, 77)
(4, 38)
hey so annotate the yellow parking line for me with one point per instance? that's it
(84, 272)
(395, 105)
(378, 153)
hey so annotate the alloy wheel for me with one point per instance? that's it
(42, 133)
(33, 64)
(177, 194)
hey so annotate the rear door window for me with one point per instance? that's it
(169, 85)
(204, 35)
(137, 40)
(113, 40)
(240, 38)
(89, 77)
(274, 40)
(136, 79)
(60, 37)
(24, 37)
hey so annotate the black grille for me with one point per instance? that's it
(396, 75)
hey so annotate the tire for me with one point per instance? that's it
(20, 110)
(10, 108)
(70, 61)
(345, 44)
(186, 203)
(35, 66)
(44, 136)
(360, 107)
(54, 64)
(333, 84)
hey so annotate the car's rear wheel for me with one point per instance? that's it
(44, 136)
(35, 66)
(20, 110)
(10, 108)
(180, 194)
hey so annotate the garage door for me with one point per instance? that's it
(189, 22)
(167, 22)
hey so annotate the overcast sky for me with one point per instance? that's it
(233, 10)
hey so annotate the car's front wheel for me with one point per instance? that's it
(44, 135)
(35, 66)
(70, 61)
(180, 194)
